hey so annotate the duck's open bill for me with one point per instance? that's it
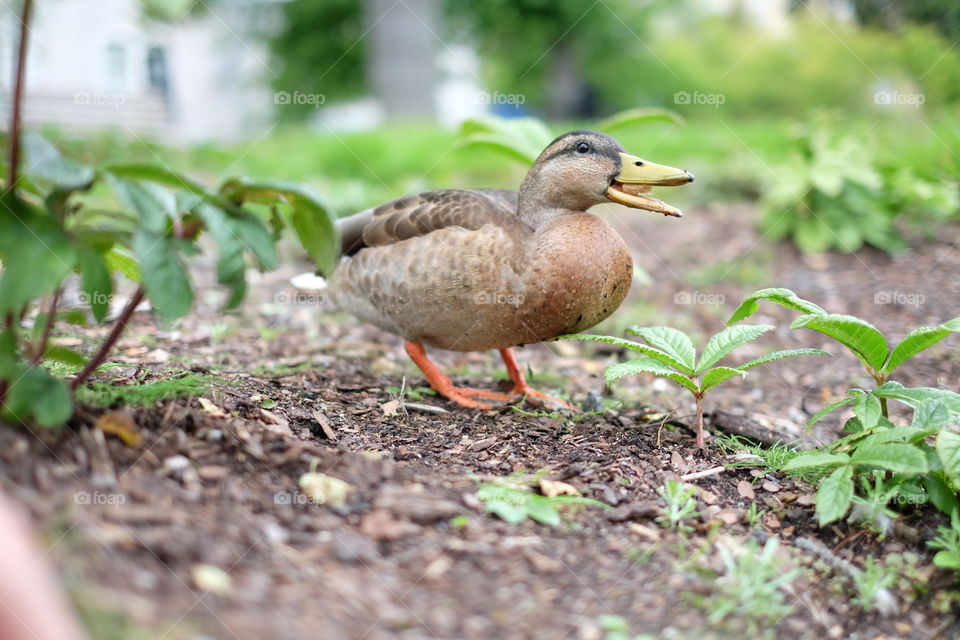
(637, 177)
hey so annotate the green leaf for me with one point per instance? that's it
(947, 560)
(647, 365)
(311, 219)
(834, 495)
(671, 341)
(35, 393)
(867, 407)
(646, 350)
(123, 263)
(917, 340)
(815, 459)
(948, 450)
(726, 341)
(780, 355)
(930, 414)
(255, 238)
(913, 396)
(899, 458)
(783, 297)
(862, 338)
(35, 252)
(830, 408)
(58, 353)
(164, 277)
(630, 117)
(231, 268)
(43, 160)
(520, 138)
(940, 493)
(718, 375)
(542, 510)
(95, 281)
(154, 205)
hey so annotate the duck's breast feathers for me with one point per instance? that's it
(424, 213)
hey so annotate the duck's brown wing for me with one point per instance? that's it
(420, 214)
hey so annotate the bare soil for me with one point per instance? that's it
(132, 526)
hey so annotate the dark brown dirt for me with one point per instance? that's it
(129, 525)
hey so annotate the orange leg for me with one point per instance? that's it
(520, 386)
(442, 384)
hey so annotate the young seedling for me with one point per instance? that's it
(869, 346)
(680, 505)
(669, 353)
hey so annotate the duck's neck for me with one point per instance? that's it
(538, 202)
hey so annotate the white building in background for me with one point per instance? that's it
(96, 64)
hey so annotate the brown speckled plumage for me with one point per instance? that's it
(471, 270)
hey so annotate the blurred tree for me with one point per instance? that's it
(552, 50)
(320, 49)
(892, 14)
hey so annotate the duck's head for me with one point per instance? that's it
(584, 168)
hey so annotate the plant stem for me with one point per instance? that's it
(48, 327)
(17, 105)
(699, 398)
(883, 407)
(110, 340)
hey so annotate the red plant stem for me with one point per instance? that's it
(111, 339)
(699, 398)
(41, 348)
(17, 105)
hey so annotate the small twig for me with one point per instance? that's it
(110, 340)
(885, 602)
(41, 348)
(424, 408)
(17, 106)
(703, 474)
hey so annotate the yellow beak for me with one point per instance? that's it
(637, 177)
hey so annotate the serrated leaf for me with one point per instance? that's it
(783, 297)
(830, 408)
(718, 375)
(918, 340)
(948, 450)
(639, 347)
(35, 253)
(780, 355)
(726, 341)
(930, 414)
(815, 459)
(43, 160)
(671, 341)
(899, 458)
(647, 365)
(862, 338)
(834, 495)
(913, 396)
(164, 277)
(95, 281)
(867, 407)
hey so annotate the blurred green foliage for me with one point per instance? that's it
(832, 194)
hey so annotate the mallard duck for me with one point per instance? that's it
(480, 269)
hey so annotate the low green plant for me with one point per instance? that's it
(669, 353)
(833, 196)
(146, 392)
(514, 503)
(879, 463)
(749, 591)
(869, 346)
(947, 542)
(871, 585)
(680, 505)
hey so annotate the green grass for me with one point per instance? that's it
(170, 384)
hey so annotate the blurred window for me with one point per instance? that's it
(157, 69)
(116, 66)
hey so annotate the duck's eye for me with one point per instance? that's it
(583, 147)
